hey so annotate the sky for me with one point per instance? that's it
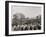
(28, 11)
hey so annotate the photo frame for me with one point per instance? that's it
(24, 18)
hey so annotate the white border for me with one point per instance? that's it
(30, 31)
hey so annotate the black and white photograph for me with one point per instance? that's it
(25, 18)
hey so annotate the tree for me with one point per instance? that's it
(19, 18)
